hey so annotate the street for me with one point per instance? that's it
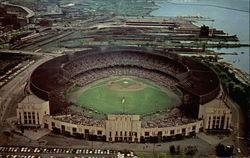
(10, 92)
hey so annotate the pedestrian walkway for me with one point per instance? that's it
(211, 139)
(36, 133)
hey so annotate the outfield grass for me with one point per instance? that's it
(102, 98)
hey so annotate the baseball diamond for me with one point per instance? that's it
(124, 95)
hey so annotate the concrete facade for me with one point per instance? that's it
(123, 128)
(216, 115)
(33, 111)
(120, 128)
(51, 123)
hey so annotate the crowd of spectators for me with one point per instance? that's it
(90, 76)
(90, 68)
(80, 118)
(170, 118)
(95, 61)
(173, 117)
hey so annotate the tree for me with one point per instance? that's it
(220, 150)
(172, 150)
(142, 139)
(104, 138)
(154, 139)
(78, 135)
(223, 151)
(179, 136)
(191, 150)
(56, 130)
(178, 149)
(168, 138)
(92, 137)
(229, 151)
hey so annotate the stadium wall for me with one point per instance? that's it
(114, 131)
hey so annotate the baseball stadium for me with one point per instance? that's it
(125, 94)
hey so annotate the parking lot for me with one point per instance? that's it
(37, 152)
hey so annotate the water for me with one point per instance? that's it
(232, 16)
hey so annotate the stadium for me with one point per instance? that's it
(126, 94)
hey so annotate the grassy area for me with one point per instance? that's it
(106, 99)
(73, 90)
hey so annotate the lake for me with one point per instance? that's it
(232, 16)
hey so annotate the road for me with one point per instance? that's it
(238, 122)
(9, 92)
(51, 155)
(30, 13)
(30, 52)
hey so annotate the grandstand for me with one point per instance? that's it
(196, 84)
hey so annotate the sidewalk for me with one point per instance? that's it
(213, 139)
(36, 133)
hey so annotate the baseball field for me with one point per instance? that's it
(123, 95)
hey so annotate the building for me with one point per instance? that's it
(54, 9)
(24, 14)
(31, 111)
(199, 85)
(216, 115)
